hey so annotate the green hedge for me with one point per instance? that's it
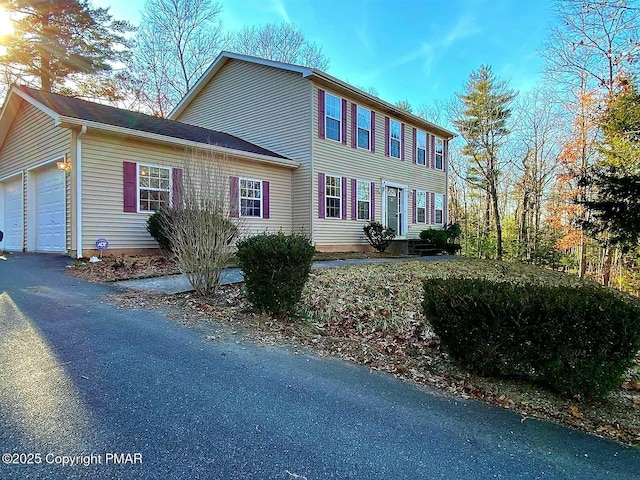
(156, 228)
(275, 268)
(575, 340)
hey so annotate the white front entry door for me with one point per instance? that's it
(50, 211)
(395, 209)
(13, 217)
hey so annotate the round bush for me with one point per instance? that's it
(276, 268)
(578, 341)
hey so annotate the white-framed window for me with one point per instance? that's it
(395, 137)
(333, 117)
(364, 128)
(333, 196)
(154, 187)
(439, 208)
(363, 197)
(421, 147)
(250, 197)
(421, 206)
(439, 153)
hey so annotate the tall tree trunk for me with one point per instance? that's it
(45, 56)
(496, 216)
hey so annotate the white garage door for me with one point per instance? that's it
(13, 219)
(50, 212)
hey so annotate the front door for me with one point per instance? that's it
(394, 202)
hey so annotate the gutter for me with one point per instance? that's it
(128, 132)
(83, 130)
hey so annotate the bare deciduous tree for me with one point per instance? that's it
(177, 41)
(201, 228)
(281, 42)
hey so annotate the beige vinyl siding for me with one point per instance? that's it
(33, 139)
(266, 106)
(334, 158)
(102, 190)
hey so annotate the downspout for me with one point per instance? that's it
(83, 130)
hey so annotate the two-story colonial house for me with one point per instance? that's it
(309, 153)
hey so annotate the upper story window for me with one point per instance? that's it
(250, 198)
(333, 117)
(333, 197)
(439, 153)
(395, 137)
(439, 207)
(421, 206)
(364, 128)
(421, 147)
(364, 200)
(154, 187)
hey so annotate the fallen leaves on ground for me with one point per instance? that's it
(371, 315)
(126, 267)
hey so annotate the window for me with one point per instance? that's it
(421, 206)
(333, 117)
(250, 198)
(154, 187)
(333, 197)
(421, 147)
(364, 200)
(394, 138)
(439, 153)
(364, 128)
(439, 202)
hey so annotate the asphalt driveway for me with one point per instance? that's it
(129, 394)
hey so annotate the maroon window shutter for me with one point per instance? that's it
(414, 204)
(386, 136)
(234, 196)
(354, 199)
(266, 199)
(320, 113)
(427, 212)
(427, 151)
(130, 187)
(373, 201)
(354, 125)
(444, 208)
(176, 187)
(402, 141)
(433, 208)
(445, 155)
(373, 131)
(415, 145)
(344, 121)
(433, 151)
(321, 193)
(344, 198)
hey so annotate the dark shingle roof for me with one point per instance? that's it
(95, 112)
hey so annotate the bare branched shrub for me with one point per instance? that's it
(200, 226)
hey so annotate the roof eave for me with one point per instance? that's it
(71, 122)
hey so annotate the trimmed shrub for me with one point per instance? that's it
(379, 236)
(156, 228)
(576, 341)
(437, 237)
(276, 268)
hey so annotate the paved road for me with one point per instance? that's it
(80, 377)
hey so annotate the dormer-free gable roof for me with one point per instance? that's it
(69, 111)
(319, 77)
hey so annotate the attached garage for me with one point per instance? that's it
(49, 220)
(12, 215)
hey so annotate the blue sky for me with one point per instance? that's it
(416, 50)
